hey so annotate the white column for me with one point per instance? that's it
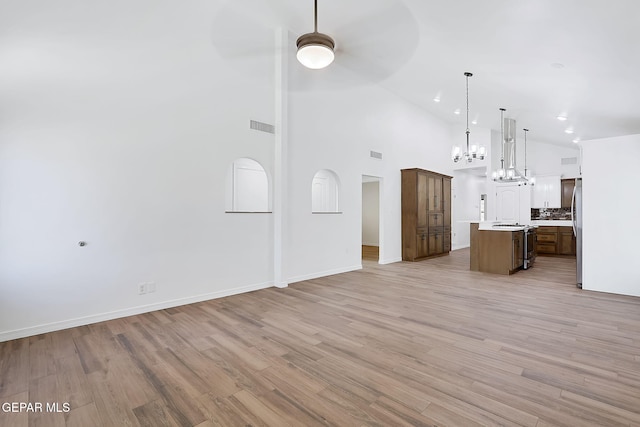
(281, 164)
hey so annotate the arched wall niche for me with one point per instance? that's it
(247, 187)
(325, 192)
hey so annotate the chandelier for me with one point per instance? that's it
(473, 151)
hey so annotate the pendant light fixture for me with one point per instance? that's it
(526, 173)
(315, 50)
(509, 172)
(473, 152)
(499, 174)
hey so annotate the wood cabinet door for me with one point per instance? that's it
(435, 193)
(567, 192)
(446, 200)
(436, 243)
(422, 200)
(567, 242)
(422, 245)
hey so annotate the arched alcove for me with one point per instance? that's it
(325, 192)
(247, 187)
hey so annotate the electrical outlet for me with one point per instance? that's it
(151, 287)
(142, 288)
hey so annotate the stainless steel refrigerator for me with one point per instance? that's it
(576, 218)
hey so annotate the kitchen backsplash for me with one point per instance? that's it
(551, 213)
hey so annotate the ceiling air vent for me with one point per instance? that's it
(569, 161)
(262, 127)
(375, 155)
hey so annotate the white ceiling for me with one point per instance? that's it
(536, 58)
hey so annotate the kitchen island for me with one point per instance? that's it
(498, 249)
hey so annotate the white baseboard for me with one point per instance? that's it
(389, 260)
(455, 247)
(324, 273)
(87, 320)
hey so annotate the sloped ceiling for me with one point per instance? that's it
(537, 58)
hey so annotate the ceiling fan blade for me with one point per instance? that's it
(378, 43)
(246, 28)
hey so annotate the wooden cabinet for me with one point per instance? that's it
(426, 214)
(566, 241)
(555, 241)
(498, 252)
(547, 240)
(567, 192)
(546, 192)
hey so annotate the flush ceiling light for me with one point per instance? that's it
(315, 50)
(562, 118)
(576, 140)
(568, 130)
(473, 151)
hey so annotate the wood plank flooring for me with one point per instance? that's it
(416, 344)
(370, 253)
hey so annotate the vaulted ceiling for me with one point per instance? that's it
(539, 59)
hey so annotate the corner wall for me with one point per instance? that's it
(611, 207)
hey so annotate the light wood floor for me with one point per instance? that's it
(421, 344)
(370, 253)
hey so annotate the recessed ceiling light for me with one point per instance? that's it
(568, 130)
(562, 118)
(474, 122)
(436, 99)
(457, 112)
(576, 140)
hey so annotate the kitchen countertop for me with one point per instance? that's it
(488, 226)
(552, 222)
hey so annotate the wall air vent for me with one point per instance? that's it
(375, 155)
(569, 161)
(262, 127)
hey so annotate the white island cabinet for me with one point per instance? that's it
(547, 192)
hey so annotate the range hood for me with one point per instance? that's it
(508, 171)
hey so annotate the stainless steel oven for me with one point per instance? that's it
(529, 247)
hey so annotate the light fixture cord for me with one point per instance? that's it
(502, 110)
(467, 74)
(315, 16)
(525, 151)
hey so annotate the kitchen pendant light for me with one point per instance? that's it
(509, 173)
(315, 50)
(473, 151)
(499, 174)
(526, 173)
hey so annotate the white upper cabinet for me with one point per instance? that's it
(547, 192)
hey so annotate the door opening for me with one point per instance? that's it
(371, 235)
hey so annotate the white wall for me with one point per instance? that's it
(132, 159)
(128, 153)
(611, 208)
(336, 130)
(371, 213)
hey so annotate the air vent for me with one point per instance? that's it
(569, 161)
(375, 155)
(262, 127)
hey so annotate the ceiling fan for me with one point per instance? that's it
(370, 39)
(315, 50)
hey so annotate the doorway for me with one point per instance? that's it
(371, 235)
